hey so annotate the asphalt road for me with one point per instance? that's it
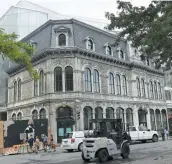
(148, 153)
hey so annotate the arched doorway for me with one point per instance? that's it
(98, 113)
(152, 119)
(65, 122)
(158, 119)
(129, 117)
(142, 113)
(109, 112)
(164, 118)
(88, 114)
(120, 115)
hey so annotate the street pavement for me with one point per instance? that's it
(148, 153)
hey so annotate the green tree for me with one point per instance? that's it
(17, 51)
(148, 28)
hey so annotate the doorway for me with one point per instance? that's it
(65, 122)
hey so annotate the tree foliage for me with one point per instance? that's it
(17, 51)
(148, 28)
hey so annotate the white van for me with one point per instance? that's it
(73, 141)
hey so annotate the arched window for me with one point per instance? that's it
(87, 116)
(90, 45)
(88, 86)
(111, 83)
(14, 117)
(35, 115)
(58, 79)
(138, 88)
(124, 85)
(42, 114)
(19, 89)
(159, 91)
(143, 87)
(118, 85)
(120, 115)
(19, 116)
(35, 87)
(41, 82)
(158, 119)
(151, 90)
(96, 81)
(108, 50)
(155, 90)
(69, 78)
(15, 91)
(62, 40)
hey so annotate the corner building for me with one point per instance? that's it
(83, 76)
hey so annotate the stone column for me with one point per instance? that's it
(135, 116)
(125, 119)
(94, 118)
(148, 120)
(156, 127)
(49, 84)
(81, 118)
(63, 81)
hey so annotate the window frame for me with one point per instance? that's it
(19, 90)
(111, 85)
(59, 40)
(96, 81)
(69, 80)
(124, 85)
(138, 87)
(118, 84)
(41, 83)
(88, 82)
(143, 93)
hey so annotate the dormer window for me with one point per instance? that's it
(108, 50)
(62, 40)
(121, 53)
(90, 44)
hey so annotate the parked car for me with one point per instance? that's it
(73, 141)
(143, 134)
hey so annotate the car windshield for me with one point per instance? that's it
(68, 135)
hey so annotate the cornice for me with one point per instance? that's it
(71, 52)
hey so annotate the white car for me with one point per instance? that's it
(143, 134)
(73, 141)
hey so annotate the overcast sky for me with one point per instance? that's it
(84, 8)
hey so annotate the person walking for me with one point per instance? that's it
(31, 141)
(166, 133)
(163, 133)
(45, 142)
(37, 143)
(52, 142)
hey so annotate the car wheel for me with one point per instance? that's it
(70, 150)
(80, 147)
(155, 138)
(125, 151)
(84, 159)
(103, 155)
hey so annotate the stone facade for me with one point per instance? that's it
(133, 100)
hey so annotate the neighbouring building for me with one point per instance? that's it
(82, 76)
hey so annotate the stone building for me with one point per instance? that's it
(83, 76)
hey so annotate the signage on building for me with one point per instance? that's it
(1, 136)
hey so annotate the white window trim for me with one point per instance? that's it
(57, 39)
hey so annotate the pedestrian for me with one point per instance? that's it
(166, 132)
(37, 143)
(45, 142)
(52, 142)
(163, 133)
(31, 141)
